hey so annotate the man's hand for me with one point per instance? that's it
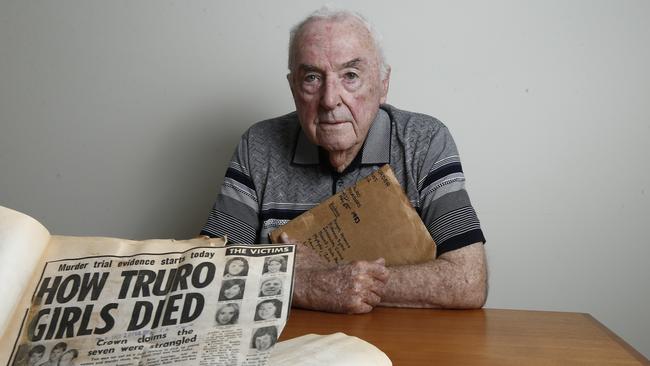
(351, 288)
(355, 287)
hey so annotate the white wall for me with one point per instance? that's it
(118, 118)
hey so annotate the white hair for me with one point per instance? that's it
(331, 14)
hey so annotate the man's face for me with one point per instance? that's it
(336, 83)
(271, 287)
(35, 357)
(55, 354)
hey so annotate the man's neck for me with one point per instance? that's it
(341, 159)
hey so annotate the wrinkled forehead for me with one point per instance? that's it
(339, 37)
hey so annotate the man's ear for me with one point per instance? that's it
(290, 80)
(384, 85)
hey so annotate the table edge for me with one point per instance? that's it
(616, 338)
(611, 334)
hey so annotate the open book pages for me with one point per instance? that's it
(92, 301)
(336, 349)
(369, 220)
(22, 240)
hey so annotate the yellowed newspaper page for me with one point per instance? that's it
(106, 301)
(22, 240)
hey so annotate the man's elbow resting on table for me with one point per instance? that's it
(472, 295)
(455, 280)
(466, 285)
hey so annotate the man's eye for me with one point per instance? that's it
(351, 75)
(310, 78)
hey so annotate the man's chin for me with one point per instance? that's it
(336, 142)
(336, 146)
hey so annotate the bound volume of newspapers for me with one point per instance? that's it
(106, 301)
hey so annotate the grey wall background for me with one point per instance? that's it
(117, 118)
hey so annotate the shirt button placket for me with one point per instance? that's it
(339, 184)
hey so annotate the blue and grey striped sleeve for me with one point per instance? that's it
(235, 211)
(444, 203)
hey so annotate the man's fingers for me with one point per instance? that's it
(355, 287)
(367, 281)
(364, 303)
(372, 299)
(284, 238)
(360, 308)
(381, 274)
(377, 288)
(375, 269)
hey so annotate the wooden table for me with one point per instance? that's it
(475, 337)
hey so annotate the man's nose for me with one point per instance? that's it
(331, 96)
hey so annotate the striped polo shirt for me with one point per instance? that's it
(276, 174)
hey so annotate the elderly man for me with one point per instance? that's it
(341, 132)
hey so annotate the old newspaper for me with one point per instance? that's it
(106, 301)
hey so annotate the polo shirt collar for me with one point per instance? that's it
(375, 150)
